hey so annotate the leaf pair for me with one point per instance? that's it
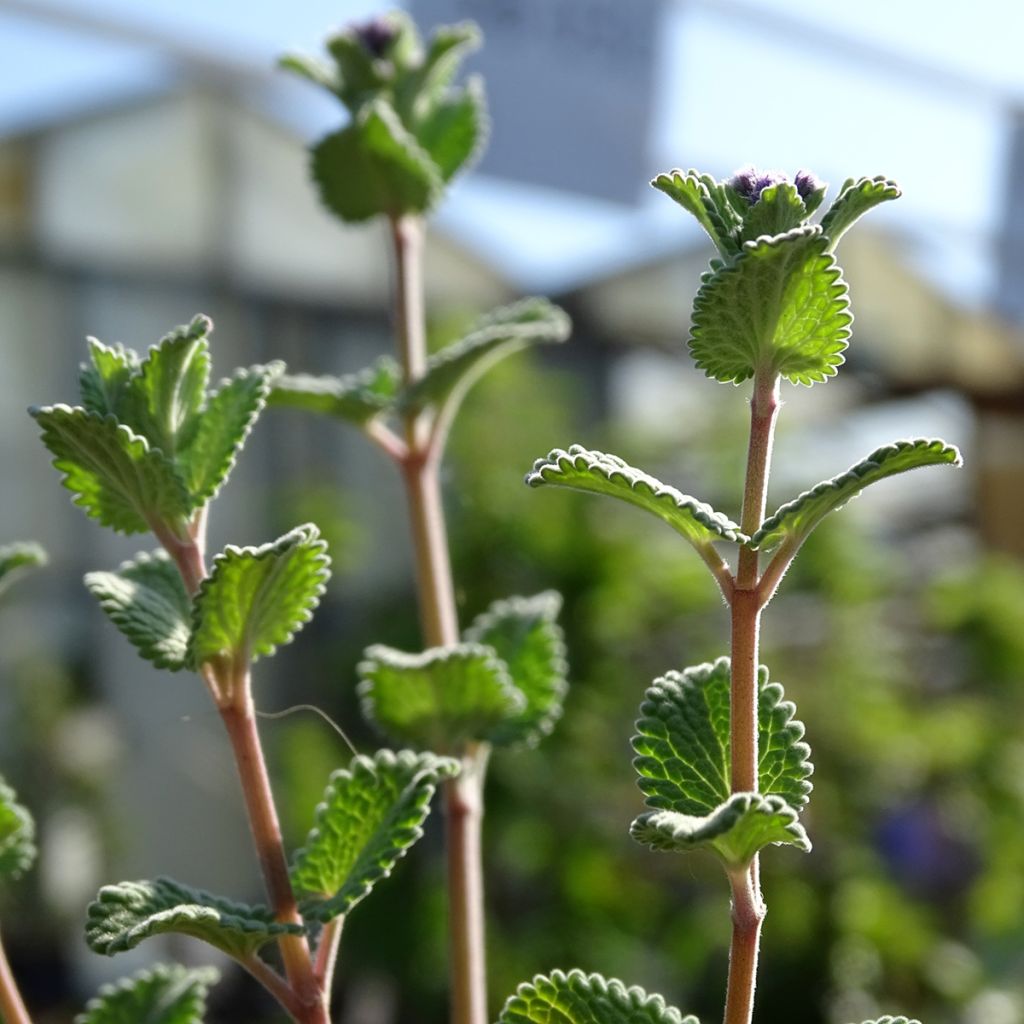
(410, 132)
(599, 473)
(150, 443)
(378, 391)
(578, 998)
(683, 760)
(254, 600)
(503, 684)
(775, 302)
(371, 814)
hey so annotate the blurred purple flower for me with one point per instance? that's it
(750, 182)
(806, 183)
(376, 35)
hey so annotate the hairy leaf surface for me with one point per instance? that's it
(584, 470)
(524, 632)
(371, 814)
(453, 370)
(455, 130)
(164, 994)
(856, 197)
(375, 166)
(258, 598)
(123, 915)
(735, 830)
(578, 998)
(103, 380)
(17, 836)
(111, 471)
(147, 602)
(702, 196)
(796, 519)
(222, 429)
(438, 699)
(781, 304)
(356, 397)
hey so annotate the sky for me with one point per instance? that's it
(920, 92)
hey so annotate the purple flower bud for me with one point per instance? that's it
(806, 184)
(376, 35)
(750, 182)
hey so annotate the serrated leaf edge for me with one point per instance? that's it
(610, 466)
(203, 977)
(873, 461)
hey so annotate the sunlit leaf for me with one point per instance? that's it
(356, 397)
(371, 814)
(17, 836)
(161, 995)
(855, 198)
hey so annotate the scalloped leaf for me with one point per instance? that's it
(374, 166)
(735, 830)
(856, 197)
(447, 48)
(525, 634)
(356, 397)
(778, 209)
(17, 836)
(162, 399)
(454, 132)
(17, 559)
(781, 305)
(112, 472)
(682, 741)
(123, 915)
(584, 470)
(225, 423)
(702, 196)
(103, 380)
(372, 812)
(797, 518)
(683, 763)
(258, 598)
(452, 371)
(147, 602)
(439, 699)
(892, 1020)
(164, 994)
(578, 998)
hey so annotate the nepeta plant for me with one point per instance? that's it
(720, 757)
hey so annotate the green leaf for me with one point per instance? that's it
(163, 994)
(112, 472)
(578, 998)
(797, 518)
(584, 470)
(855, 198)
(455, 131)
(735, 830)
(163, 399)
(683, 760)
(258, 598)
(452, 371)
(17, 559)
(222, 429)
(702, 196)
(318, 72)
(438, 699)
(778, 210)
(525, 634)
(370, 815)
(780, 305)
(892, 1020)
(123, 915)
(103, 382)
(17, 836)
(447, 48)
(373, 166)
(147, 602)
(357, 397)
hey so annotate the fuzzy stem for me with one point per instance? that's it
(463, 796)
(748, 908)
(327, 954)
(12, 1007)
(240, 721)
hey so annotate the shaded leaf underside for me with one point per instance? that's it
(165, 994)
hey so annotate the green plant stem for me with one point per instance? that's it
(748, 909)
(463, 796)
(12, 1007)
(240, 721)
